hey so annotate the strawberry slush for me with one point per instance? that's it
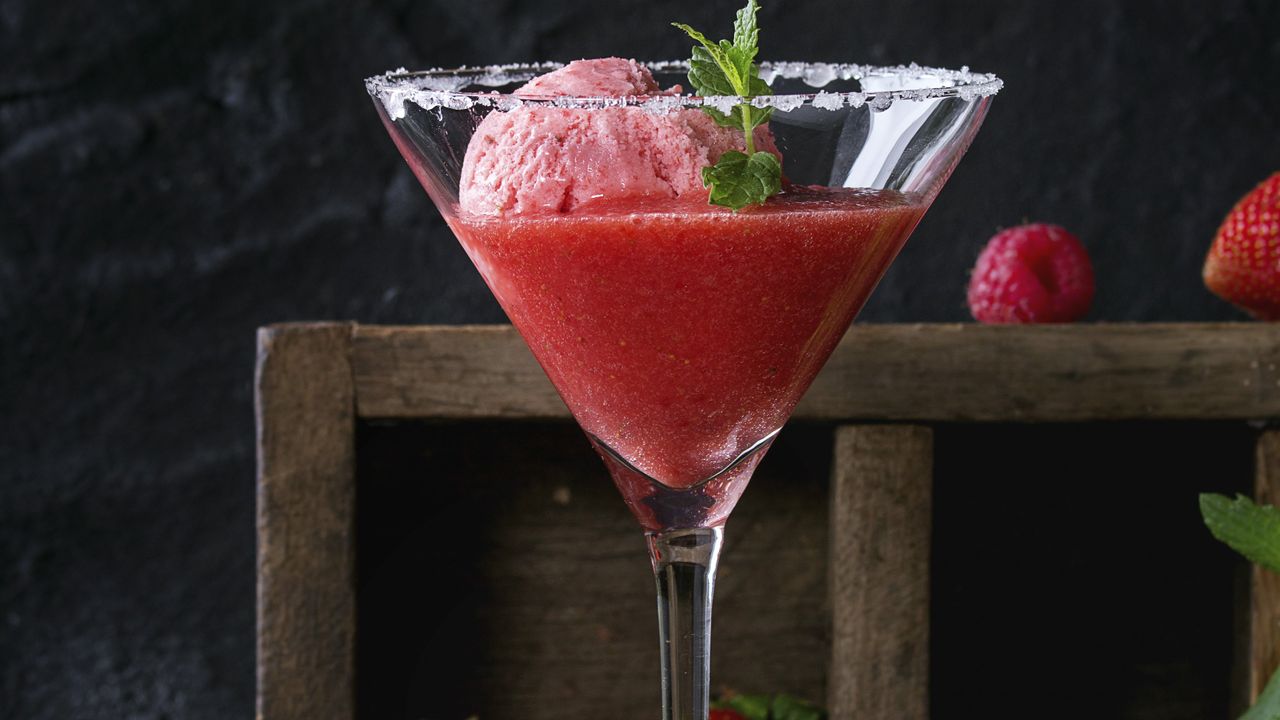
(678, 333)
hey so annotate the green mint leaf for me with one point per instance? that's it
(756, 116)
(737, 180)
(1250, 529)
(752, 707)
(1253, 531)
(706, 75)
(777, 707)
(718, 72)
(740, 66)
(688, 30)
(757, 87)
(732, 120)
(786, 707)
(746, 34)
(1268, 705)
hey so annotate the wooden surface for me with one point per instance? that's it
(1265, 587)
(432, 372)
(883, 372)
(881, 519)
(315, 381)
(306, 516)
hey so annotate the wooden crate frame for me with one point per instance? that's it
(882, 387)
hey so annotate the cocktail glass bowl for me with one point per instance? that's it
(681, 335)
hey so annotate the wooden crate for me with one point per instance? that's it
(883, 390)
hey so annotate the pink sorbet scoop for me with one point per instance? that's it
(547, 159)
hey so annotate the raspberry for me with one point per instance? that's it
(1034, 273)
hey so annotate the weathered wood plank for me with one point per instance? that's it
(881, 525)
(306, 514)
(463, 371)
(1265, 591)
(882, 372)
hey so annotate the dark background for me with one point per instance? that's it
(173, 175)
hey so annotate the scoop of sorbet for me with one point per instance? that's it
(606, 77)
(539, 159)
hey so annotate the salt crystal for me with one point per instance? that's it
(818, 75)
(828, 101)
(880, 102)
(724, 104)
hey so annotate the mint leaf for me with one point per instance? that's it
(738, 180)
(1268, 705)
(752, 707)
(726, 69)
(746, 34)
(786, 707)
(777, 707)
(742, 52)
(740, 65)
(1250, 529)
(720, 66)
(706, 74)
(1253, 531)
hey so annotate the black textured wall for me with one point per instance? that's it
(175, 174)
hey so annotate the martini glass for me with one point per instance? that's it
(681, 335)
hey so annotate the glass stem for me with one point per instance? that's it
(684, 567)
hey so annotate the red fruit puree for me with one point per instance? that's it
(680, 334)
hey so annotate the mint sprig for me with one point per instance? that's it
(728, 68)
(1250, 529)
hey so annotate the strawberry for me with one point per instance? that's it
(1031, 274)
(720, 714)
(1243, 266)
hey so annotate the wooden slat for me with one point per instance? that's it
(1265, 591)
(883, 372)
(463, 371)
(306, 515)
(881, 524)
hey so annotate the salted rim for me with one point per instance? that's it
(441, 88)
